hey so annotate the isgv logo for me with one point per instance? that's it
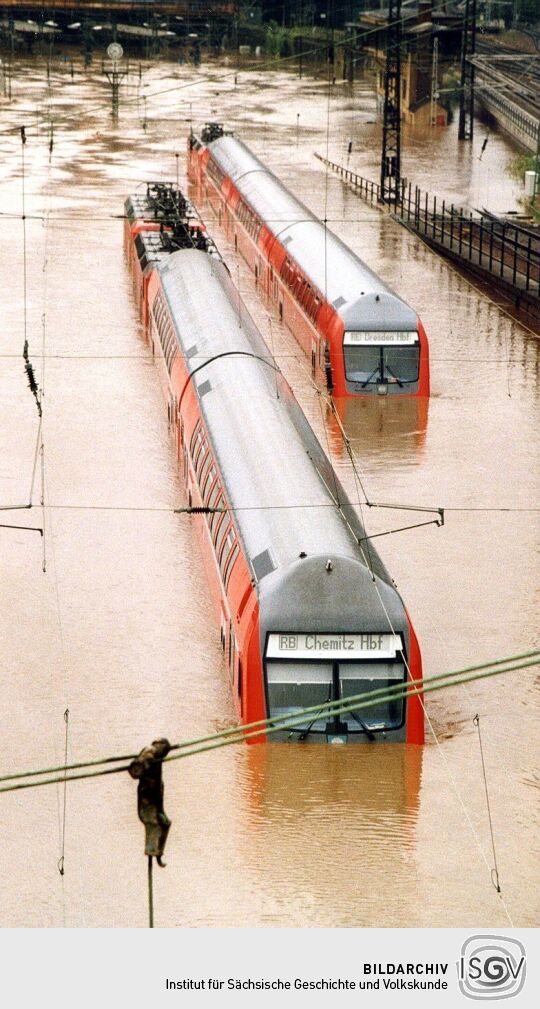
(491, 967)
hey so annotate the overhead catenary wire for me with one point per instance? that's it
(495, 871)
(507, 664)
(269, 727)
(451, 777)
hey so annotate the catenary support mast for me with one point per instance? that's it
(391, 146)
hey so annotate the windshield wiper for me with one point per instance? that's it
(393, 374)
(305, 732)
(368, 379)
(371, 735)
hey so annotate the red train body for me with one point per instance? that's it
(359, 336)
(302, 616)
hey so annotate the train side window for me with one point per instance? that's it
(233, 557)
(217, 515)
(205, 459)
(226, 548)
(207, 462)
(207, 482)
(199, 448)
(219, 531)
(214, 495)
(194, 436)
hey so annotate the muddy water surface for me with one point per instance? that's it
(120, 630)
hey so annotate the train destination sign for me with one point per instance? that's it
(382, 339)
(333, 646)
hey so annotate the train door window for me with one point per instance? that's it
(256, 274)
(322, 353)
(281, 311)
(313, 357)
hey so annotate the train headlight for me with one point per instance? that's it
(382, 390)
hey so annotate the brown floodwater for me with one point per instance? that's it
(120, 631)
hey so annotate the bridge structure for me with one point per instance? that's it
(508, 88)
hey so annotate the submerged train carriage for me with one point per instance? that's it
(305, 617)
(360, 337)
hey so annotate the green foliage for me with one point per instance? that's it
(520, 164)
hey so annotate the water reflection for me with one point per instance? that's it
(279, 835)
(394, 427)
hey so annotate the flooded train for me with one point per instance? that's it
(306, 614)
(360, 337)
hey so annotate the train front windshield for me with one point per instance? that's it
(294, 685)
(389, 358)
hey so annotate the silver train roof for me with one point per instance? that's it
(274, 469)
(362, 299)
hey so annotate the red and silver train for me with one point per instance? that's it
(306, 614)
(361, 338)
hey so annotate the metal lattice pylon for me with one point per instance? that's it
(391, 145)
(466, 96)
